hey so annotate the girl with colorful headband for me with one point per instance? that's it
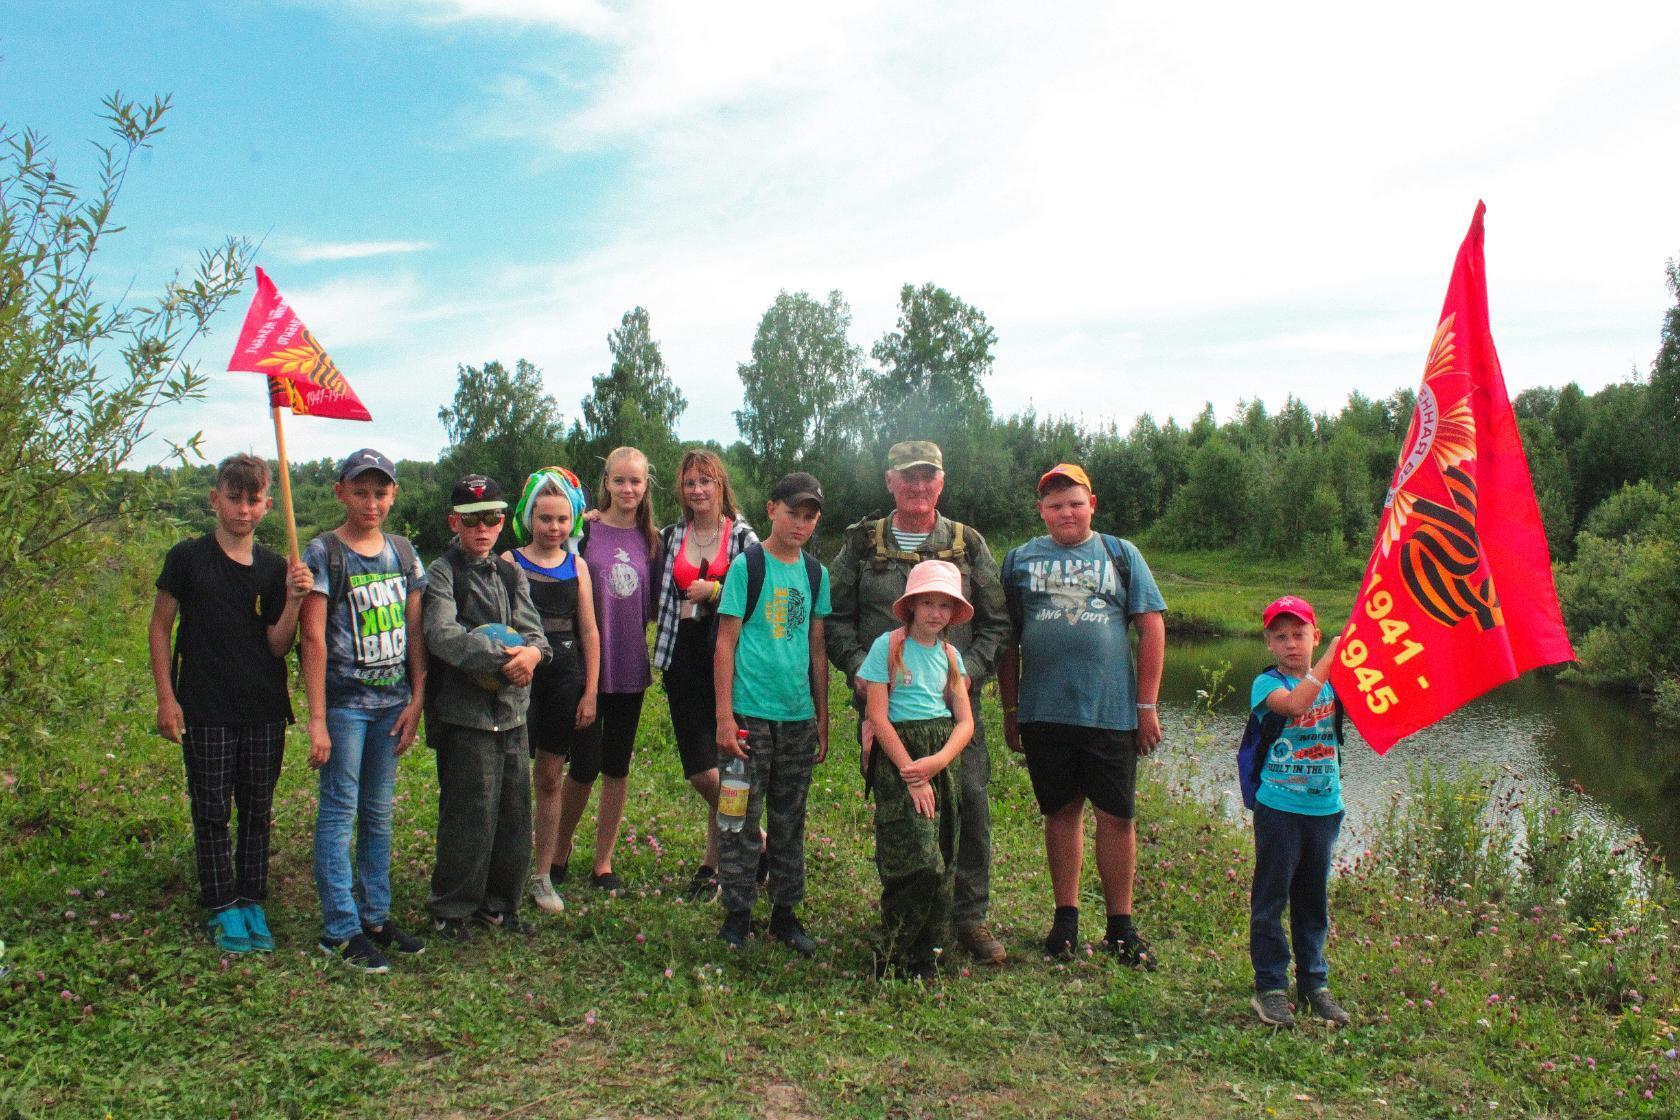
(562, 719)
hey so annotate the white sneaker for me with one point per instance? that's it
(543, 894)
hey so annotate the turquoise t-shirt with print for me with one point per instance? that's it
(773, 655)
(923, 695)
(1302, 772)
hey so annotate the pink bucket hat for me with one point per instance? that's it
(939, 576)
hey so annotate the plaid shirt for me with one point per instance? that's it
(741, 538)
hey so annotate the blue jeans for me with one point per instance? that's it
(1291, 868)
(356, 787)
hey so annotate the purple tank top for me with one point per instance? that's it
(622, 588)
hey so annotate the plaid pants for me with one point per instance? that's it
(229, 766)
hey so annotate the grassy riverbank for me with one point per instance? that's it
(1478, 985)
(1223, 592)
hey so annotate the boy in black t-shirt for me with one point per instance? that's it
(221, 692)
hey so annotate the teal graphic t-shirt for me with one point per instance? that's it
(773, 656)
(923, 695)
(1302, 773)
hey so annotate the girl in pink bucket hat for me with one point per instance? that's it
(918, 715)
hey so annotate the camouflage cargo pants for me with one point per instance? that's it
(916, 855)
(779, 767)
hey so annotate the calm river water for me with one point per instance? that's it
(1534, 728)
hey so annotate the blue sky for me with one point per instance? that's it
(1154, 208)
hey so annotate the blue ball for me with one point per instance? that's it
(505, 636)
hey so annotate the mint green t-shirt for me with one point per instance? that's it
(923, 695)
(773, 656)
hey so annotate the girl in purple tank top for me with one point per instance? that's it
(621, 549)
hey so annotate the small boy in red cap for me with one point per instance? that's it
(1297, 803)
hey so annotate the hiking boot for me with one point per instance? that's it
(453, 930)
(1132, 950)
(391, 939)
(985, 948)
(508, 921)
(256, 927)
(737, 927)
(229, 931)
(607, 881)
(1273, 1008)
(544, 895)
(1062, 938)
(357, 952)
(1324, 1005)
(704, 886)
(785, 927)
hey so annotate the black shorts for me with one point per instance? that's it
(1067, 761)
(608, 752)
(556, 688)
(693, 703)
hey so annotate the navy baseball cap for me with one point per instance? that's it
(358, 463)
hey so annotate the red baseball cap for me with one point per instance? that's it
(1289, 604)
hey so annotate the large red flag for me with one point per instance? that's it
(301, 375)
(1458, 596)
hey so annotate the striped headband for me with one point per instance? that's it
(568, 484)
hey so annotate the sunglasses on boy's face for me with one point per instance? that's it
(491, 518)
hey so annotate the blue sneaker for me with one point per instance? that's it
(229, 931)
(256, 927)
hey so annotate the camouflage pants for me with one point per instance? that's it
(779, 767)
(916, 855)
(974, 855)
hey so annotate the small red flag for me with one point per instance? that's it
(301, 375)
(1458, 595)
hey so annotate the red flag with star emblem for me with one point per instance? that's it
(301, 375)
(1458, 595)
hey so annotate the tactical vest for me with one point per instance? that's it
(882, 554)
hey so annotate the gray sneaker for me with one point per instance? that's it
(1273, 1008)
(1324, 1005)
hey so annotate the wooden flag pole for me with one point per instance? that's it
(286, 487)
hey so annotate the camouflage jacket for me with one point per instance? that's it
(868, 575)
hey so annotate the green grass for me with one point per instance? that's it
(1224, 592)
(117, 1005)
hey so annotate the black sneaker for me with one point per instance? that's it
(507, 921)
(357, 952)
(1062, 939)
(1324, 1005)
(1273, 1008)
(704, 886)
(1132, 950)
(607, 881)
(393, 940)
(454, 930)
(737, 927)
(786, 929)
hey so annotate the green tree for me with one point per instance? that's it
(634, 404)
(800, 390)
(502, 423)
(81, 378)
(1665, 383)
(933, 366)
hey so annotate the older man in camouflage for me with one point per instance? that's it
(866, 578)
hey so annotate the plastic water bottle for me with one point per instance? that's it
(732, 798)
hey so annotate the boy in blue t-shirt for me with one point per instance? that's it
(1297, 815)
(1072, 703)
(771, 681)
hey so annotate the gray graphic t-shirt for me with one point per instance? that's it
(1076, 657)
(367, 633)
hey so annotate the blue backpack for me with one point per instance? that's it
(1258, 736)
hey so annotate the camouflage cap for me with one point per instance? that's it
(914, 453)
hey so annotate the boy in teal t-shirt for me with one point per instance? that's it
(1297, 816)
(772, 682)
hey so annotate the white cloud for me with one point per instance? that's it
(1154, 208)
(306, 253)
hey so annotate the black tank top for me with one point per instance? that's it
(554, 592)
